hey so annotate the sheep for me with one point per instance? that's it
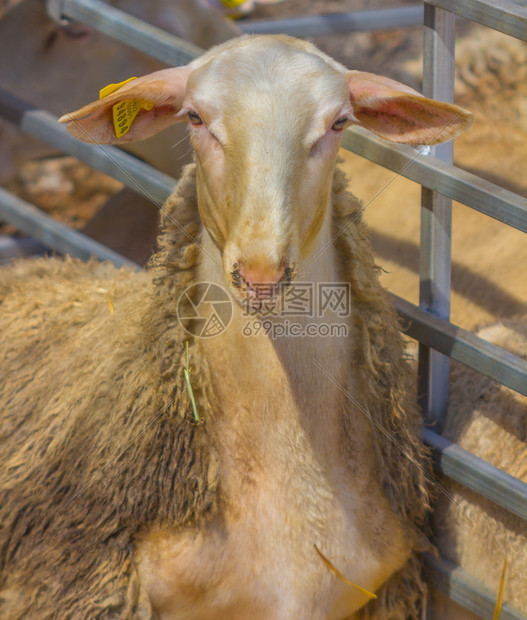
(490, 421)
(151, 472)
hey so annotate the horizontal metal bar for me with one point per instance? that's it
(502, 15)
(132, 31)
(132, 172)
(477, 474)
(53, 234)
(339, 23)
(12, 108)
(465, 589)
(11, 248)
(451, 181)
(463, 346)
(319, 25)
(173, 51)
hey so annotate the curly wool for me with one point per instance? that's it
(97, 429)
(98, 435)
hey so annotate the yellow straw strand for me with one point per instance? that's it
(369, 594)
(186, 373)
(499, 600)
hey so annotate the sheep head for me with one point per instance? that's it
(266, 116)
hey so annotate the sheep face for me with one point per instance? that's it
(265, 160)
(266, 116)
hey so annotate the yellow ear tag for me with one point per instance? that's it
(124, 112)
(111, 88)
(232, 4)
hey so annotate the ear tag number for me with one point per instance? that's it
(124, 112)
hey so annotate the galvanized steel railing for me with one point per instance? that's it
(434, 276)
(442, 182)
(359, 21)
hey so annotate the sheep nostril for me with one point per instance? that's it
(237, 278)
(288, 275)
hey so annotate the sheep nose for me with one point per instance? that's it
(261, 281)
(255, 275)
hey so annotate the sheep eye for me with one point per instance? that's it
(194, 118)
(340, 123)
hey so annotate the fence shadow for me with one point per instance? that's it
(465, 282)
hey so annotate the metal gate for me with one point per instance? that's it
(442, 182)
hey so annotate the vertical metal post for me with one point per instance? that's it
(436, 219)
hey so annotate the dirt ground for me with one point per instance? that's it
(488, 276)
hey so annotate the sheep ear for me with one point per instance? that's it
(133, 110)
(398, 113)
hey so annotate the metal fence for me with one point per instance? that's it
(442, 182)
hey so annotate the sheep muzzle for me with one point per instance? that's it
(259, 283)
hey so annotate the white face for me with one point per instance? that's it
(265, 148)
